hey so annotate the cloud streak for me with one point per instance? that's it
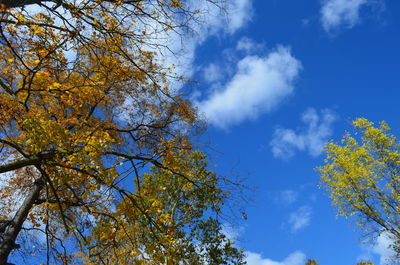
(179, 53)
(296, 258)
(311, 137)
(258, 86)
(285, 197)
(382, 247)
(300, 218)
(341, 13)
(241, 13)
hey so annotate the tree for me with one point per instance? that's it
(362, 176)
(180, 232)
(313, 262)
(85, 110)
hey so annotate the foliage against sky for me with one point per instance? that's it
(342, 57)
(308, 68)
(86, 108)
(362, 176)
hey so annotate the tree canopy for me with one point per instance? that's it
(362, 174)
(313, 262)
(86, 108)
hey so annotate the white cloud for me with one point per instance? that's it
(311, 137)
(232, 232)
(212, 73)
(383, 249)
(177, 47)
(300, 218)
(241, 13)
(259, 85)
(226, 17)
(338, 13)
(248, 45)
(296, 258)
(286, 197)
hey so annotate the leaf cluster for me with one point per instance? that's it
(362, 174)
(86, 109)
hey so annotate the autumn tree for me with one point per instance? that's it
(86, 108)
(313, 262)
(180, 225)
(362, 174)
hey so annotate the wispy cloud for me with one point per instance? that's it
(382, 247)
(296, 258)
(227, 18)
(341, 13)
(241, 13)
(300, 218)
(316, 130)
(259, 84)
(285, 197)
(212, 73)
(211, 20)
(249, 46)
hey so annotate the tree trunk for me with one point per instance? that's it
(20, 3)
(8, 237)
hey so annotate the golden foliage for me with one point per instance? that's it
(362, 175)
(85, 110)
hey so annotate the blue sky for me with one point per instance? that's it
(277, 79)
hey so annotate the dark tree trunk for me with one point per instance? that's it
(20, 3)
(12, 229)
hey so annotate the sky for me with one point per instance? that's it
(275, 80)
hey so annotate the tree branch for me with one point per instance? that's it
(31, 161)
